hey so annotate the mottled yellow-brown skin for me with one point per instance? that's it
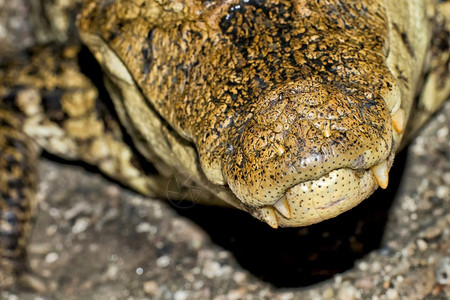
(290, 110)
(274, 96)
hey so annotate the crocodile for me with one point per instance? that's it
(292, 111)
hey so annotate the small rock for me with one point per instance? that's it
(139, 271)
(163, 261)
(80, 225)
(422, 245)
(51, 257)
(365, 283)
(347, 293)
(363, 266)
(236, 294)
(151, 288)
(180, 295)
(442, 191)
(112, 271)
(391, 294)
(432, 232)
(33, 282)
(77, 209)
(239, 277)
(211, 269)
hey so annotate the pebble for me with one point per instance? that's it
(375, 267)
(51, 257)
(211, 269)
(163, 261)
(146, 227)
(391, 294)
(78, 209)
(432, 232)
(365, 283)
(443, 192)
(51, 230)
(347, 293)
(139, 271)
(180, 295)
(236, 294)
(422, 245)
(151, 288)
(34, 283)
(239, 277)
(112, 271)
(363, 266)
(80, 225)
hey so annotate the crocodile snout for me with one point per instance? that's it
(308, 152)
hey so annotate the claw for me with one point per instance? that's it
(283, 207)
(381, 174)
(269, 216)
(398, 120)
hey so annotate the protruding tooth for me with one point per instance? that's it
(282, 206)
(269, 216)
(398, 120)
(381, 174)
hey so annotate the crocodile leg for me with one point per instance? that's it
(46, 102)
(18, 178)
(65, 116)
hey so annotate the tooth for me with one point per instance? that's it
(283, 207)
(381, 174)
(398, 120)
(269, 216)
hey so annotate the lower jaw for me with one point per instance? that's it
(317, 200)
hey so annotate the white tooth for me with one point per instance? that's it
(381, 174)
(282, 206)
(398, 120)
(269, 216)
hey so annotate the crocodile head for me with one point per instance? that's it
(290, 105)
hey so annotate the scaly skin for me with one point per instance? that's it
(296, 105)
(47, 103)
(18, 183)
(290, 110)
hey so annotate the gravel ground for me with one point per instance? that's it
(94, 239)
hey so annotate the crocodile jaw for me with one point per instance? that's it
(318, 200)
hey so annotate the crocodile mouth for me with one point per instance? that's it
(309, 152)
(314, 201)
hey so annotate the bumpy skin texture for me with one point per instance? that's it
(275, 96)
(46, 102)
(289, 110)
(18, 183)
